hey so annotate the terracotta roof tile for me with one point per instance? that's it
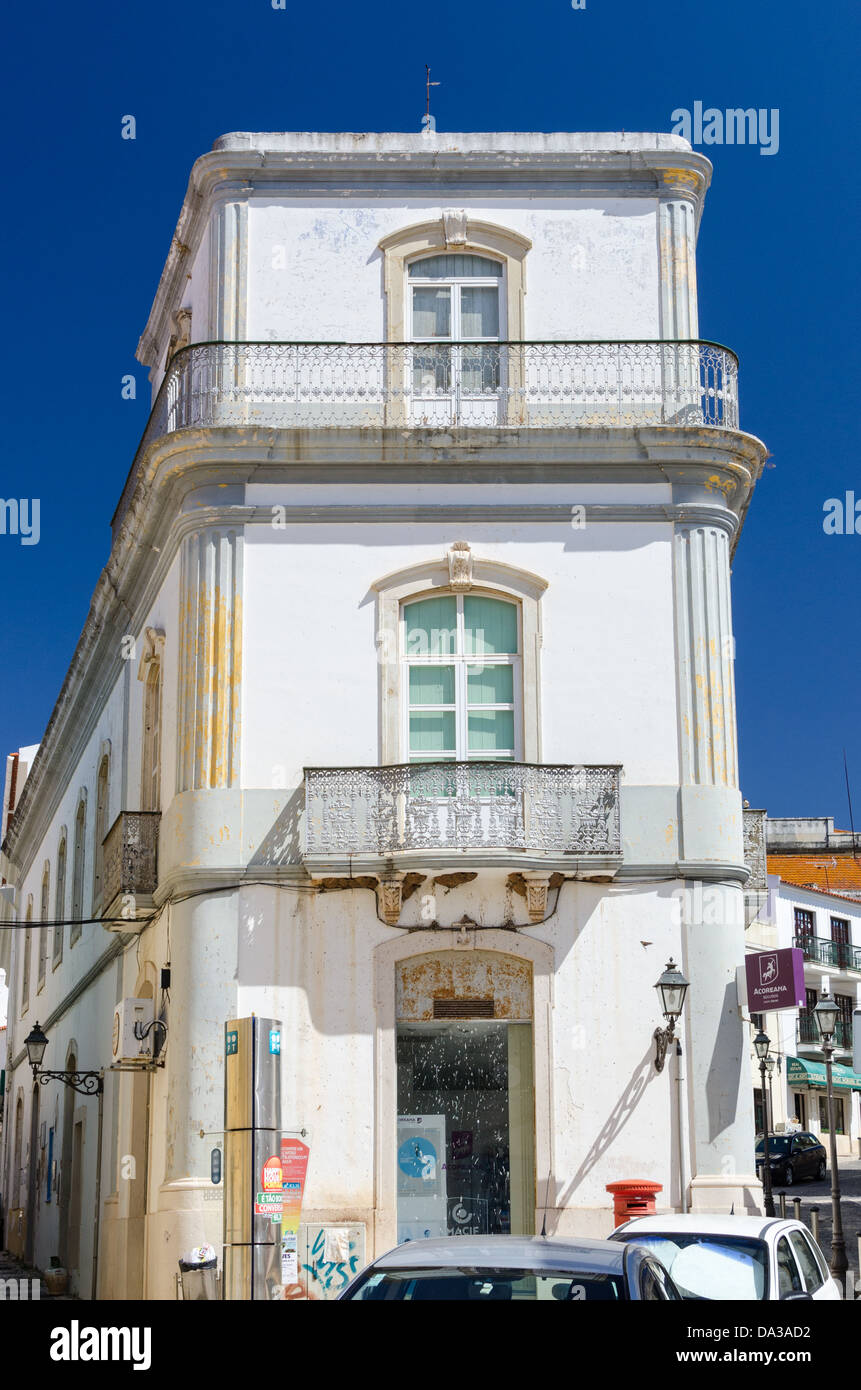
(835, 874)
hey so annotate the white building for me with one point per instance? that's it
(335, 556)
(813, 903)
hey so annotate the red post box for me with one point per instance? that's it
(634, 1197)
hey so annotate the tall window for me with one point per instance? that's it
(101, 828)
(805, 928)
(846, 1005)
(78, 872)
(28, 946)
(44, 914)
(60, 899)
(463, 679)
(151, 766)
(454, 298)
(840, 937)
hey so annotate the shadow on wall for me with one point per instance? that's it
(724, 1079)
(643, 1073)
(283, 843)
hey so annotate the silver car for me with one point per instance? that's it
(488, 1268)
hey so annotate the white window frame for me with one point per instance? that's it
(462, 661)
(457, 283)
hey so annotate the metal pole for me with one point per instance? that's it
(95, 1292)
(683, 1164)
(782, 1203)
(814, 1223)
(768, 1198)
(839, 1263)
(796, 1207)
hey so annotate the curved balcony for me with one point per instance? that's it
(429, 386)
(431, 814)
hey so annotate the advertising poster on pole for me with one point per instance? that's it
(294, 1166)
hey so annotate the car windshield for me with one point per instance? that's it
(713, 1267)
(778, 1146)
(487, 1285)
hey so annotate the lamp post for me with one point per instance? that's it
(672, 987)
(86, 1083)
(761, 1044)
(826, 1014)
(770, 1063)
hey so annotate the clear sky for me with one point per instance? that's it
(88, 220)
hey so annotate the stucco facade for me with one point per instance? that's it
(285, 509)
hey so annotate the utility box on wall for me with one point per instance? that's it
(131, 1016)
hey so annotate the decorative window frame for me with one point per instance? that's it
(60, 895)
(456, 572)
(44, 916)
(456, 232)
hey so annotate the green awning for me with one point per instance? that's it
(801, 1072)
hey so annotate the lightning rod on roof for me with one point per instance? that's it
(849, 799)
(428, 122)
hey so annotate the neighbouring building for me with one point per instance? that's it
(404, 712)
(813, 902)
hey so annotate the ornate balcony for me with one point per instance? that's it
(429, 815)
(833, 955)
(130, 858)
(521, 385)
(807, 1032)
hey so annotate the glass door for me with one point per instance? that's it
(456, 376)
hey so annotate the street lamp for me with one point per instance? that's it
(672, 987)
(770, 1064)
(826, 1014)
(87, 1083)
(761, 1044)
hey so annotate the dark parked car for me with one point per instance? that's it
(484, 1269)
(791, 1157)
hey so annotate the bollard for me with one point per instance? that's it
(781, 1197)
(814, 1223)
(796, 1207)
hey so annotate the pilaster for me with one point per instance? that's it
(677, 237)
(208, 747)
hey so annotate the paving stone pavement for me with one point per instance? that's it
(819, 1194)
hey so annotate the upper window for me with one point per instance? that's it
(462, 675)
(805, 926)
(151, 766)
(455, 297)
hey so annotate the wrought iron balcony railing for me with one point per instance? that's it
(130, 858)
(535, 385)
(836, 954)
(808, 1031)
(538, 812)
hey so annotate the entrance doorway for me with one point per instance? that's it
(465, 1096)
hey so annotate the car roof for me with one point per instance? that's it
(506, 1252)
(753, 1227)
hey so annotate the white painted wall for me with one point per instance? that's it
(592, 271)
(309, 648)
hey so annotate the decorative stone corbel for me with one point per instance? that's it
(390, 896)
(460, 566)
(454, 226)
(536, 895)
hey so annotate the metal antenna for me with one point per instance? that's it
(849, 799)
(428, 121)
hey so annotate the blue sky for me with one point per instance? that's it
(89, 218)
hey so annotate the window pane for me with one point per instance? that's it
(432, 733)
(431, 627)
(491, 730)
(804, 1255)
(448, 267)
(479, 312)
(489, 685)
(431, 685)
(491, 626)
(431, 313)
